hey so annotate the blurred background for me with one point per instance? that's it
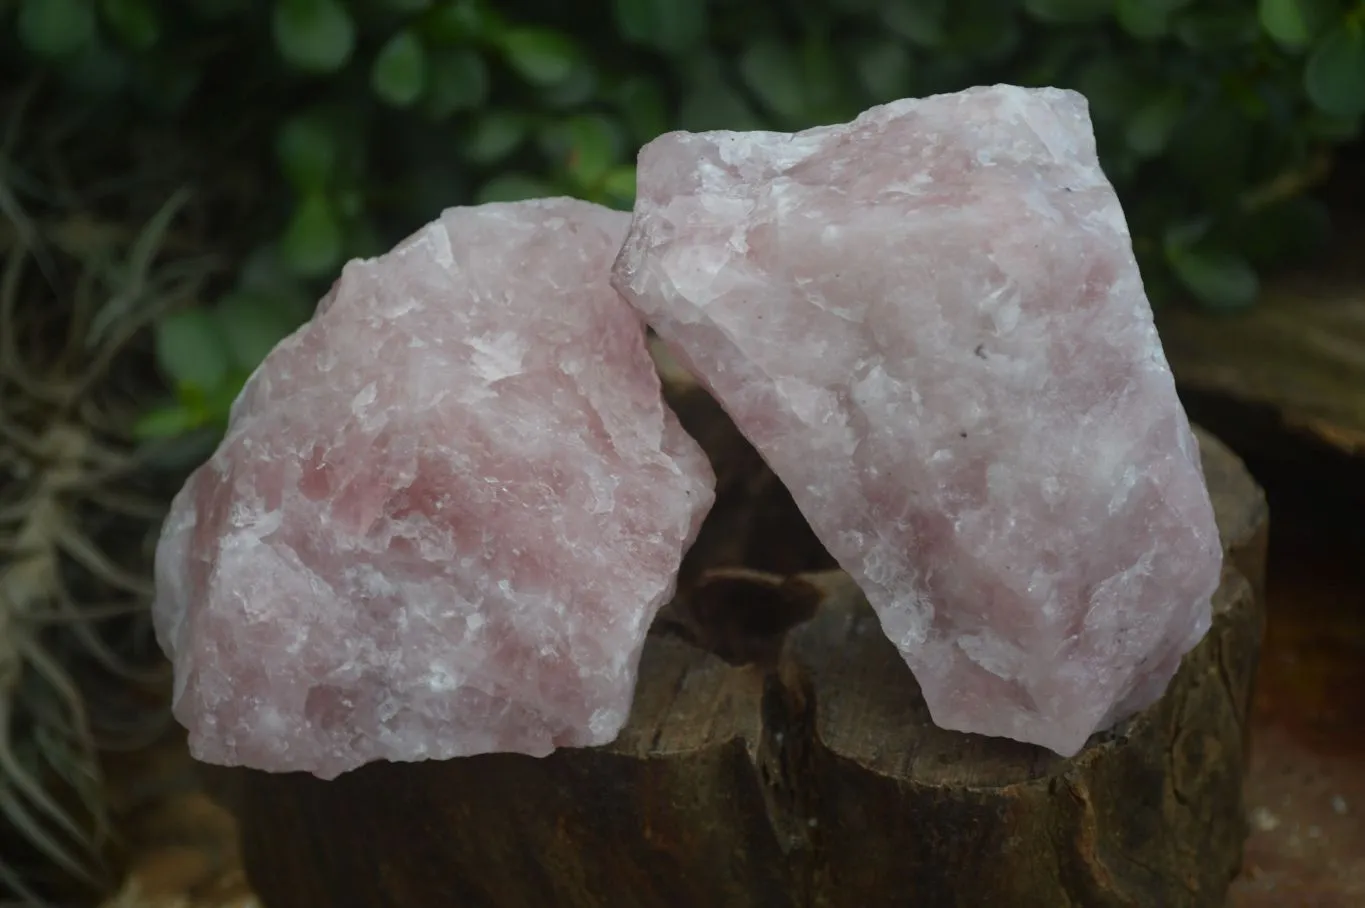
(180, 180)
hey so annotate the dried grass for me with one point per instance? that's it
(79, 671)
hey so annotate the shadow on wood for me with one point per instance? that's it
(811, 777)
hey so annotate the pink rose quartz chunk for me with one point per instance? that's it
(444, 513)
(930, 322)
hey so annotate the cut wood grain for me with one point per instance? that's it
(1300, 353)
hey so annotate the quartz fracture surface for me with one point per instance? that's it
(930, 322)
(444, 513)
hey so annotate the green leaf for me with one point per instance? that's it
(1335, 75)
(407, 6)
(984, 32)
(1150, 128)
(773, 74)
(459, 22)
(919, 21)
(349, 203)
(1338, 130)
(1113, 89)
(619, 186)
(540, 56)
(1217, 278)
(594, 144)
(252, 325)
(672, 26)
(190, 350)
(399, 73)
(495, 136)
(212, 407)
(1143, 19)
(643, 107)
(219, 9)
(713, 104)
(825, 84)
(56, 28)
(164, 83)
(1054, 62)
(135, 21)
(885, 70)
(98, 69)
(167, 422)
(314, 35)
(1067, 12)
(364, 242)
(575, 90)
(636, 20)
(306, 148)
(944, 72)
(514, 187)
(1294, 23)
(1212, 152)
(1217, 30)
(264, 273)
(311, 245)
(457, 81)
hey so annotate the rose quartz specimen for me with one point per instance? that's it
(930, 322)
(444, 514)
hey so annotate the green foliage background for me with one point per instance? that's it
(363, 118)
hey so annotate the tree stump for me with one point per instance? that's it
(779, 754)
(1299, 355)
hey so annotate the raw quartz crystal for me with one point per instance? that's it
(444, 514)
(929, 321)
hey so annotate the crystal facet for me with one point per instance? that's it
(931, 324)
(444, 513)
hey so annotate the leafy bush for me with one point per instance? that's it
(1214, 117)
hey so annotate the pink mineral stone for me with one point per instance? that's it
(444, 514)
(930, 323)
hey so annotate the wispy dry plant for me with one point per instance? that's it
(78, 512)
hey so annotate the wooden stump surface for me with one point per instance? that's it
(1299, 353)
(758, 773)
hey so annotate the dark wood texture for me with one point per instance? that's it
(1298, 354)
(808, 774)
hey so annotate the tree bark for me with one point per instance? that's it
(779, 754)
